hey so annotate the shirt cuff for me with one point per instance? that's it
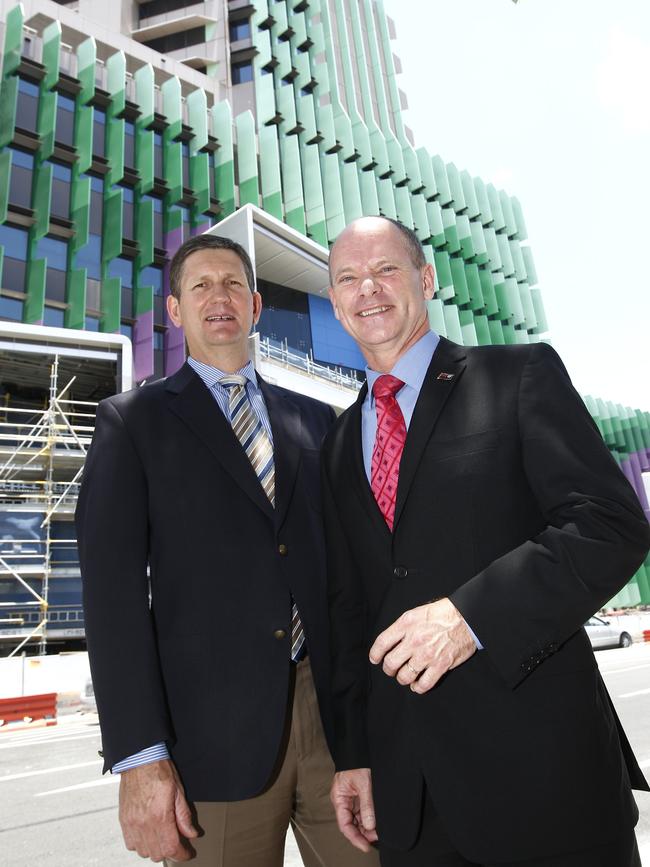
(479, 646)
(144, 757)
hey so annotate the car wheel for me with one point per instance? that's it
(625, 640)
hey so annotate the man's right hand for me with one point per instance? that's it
(351, 796)
(155, 817)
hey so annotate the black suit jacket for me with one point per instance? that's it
(509, 503)
(168, 488)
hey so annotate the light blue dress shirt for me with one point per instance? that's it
(411, 368)
(210, 376)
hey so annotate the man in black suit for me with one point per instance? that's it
(202, 559)
(474, 521)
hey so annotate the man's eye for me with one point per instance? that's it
(235, 283)
(346, 278)
(198, 286)
(388, 268)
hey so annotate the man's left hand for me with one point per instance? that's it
(423, 644)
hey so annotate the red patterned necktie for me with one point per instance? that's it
(389, 445)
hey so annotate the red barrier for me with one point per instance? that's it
(646, 634)
(28, 709)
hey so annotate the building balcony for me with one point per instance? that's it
(156, 26)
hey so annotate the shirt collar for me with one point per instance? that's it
(411, 367)
(211, 375)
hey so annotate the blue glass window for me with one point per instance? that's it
(64, 119)
(27, 108)
(22, 158)
(61, 177)
(158, 155)
(99, 131)
(14, 241)
(157, 221)
(185, 149)
(11, 308)
(92, 323)
(54, 250)
(56, 254)
(242, 72)
(96, 204)
(152, 276)
(159, 340)
(127, 205)
(126, 330)
(90, 257)
(20, 182)
(54, 316)
(129, 146)
(122, 268)
(240, 30)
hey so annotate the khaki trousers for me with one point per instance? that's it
(252, 833)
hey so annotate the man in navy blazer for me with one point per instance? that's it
(472, 726)
(209, 706)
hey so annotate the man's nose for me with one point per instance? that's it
(368, 286)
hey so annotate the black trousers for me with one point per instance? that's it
(433, 848)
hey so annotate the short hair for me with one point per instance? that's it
(411, 240)
(206, 242)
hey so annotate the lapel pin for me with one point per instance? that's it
(446, 377)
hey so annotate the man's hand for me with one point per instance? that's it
(154, 815)
(423, 644)
(351, 796)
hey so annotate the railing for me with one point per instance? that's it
(303, 362)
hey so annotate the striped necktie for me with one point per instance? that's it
(257, 444)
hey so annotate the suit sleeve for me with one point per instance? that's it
(349, 653)
(525, 604)
(112, 532)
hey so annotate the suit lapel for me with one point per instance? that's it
(192, 402)
(448, 362)
(352, 451)
(286, 425)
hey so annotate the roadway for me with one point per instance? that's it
(58, 811)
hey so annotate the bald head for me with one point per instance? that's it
(373, 224)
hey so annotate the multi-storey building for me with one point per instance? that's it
(125, 127)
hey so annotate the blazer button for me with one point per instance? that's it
(400, 571)
(279, 634)
(283, 550)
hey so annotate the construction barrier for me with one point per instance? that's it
(28, 709)
(646, 634)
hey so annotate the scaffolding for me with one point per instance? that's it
(42, 453)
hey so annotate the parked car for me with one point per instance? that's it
(602, 634)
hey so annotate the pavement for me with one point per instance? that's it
(56, 810)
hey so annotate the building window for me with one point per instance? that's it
(11, 308)
(61, 178)
(122, 268)
(20, 183)
(152, 276)
(27, 109)
(99, 132)
(159, 340)
(242, 72)
(14, 242)
(158, 155)
(92, 323)
(90, 258)
(159, 7)
(129, 144)
(185, 152)
(54, 317)
(185, 219)
(240, 29)
(127, 205)
(126, 329)
(55, 252)
(65, 108)
(157, 221)
(176, 41)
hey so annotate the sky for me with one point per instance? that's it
(550, 100)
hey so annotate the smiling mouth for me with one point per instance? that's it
(219, 318)
(372, 311)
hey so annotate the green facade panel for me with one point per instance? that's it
(13, 42)
(51, 53)
(86, 61)
(75, 314)
(8, 106)
(34, 286)
(270, 183)
(224, 157)
(247, 159)
(5, 174)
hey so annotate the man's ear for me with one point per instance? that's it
(257, 307)
(330, 292)
(173, 308)
(428, 281)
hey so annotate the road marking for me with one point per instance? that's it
(49, 741)
(636, 692)
(621, 670)
(48, 771)
(105, 781)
